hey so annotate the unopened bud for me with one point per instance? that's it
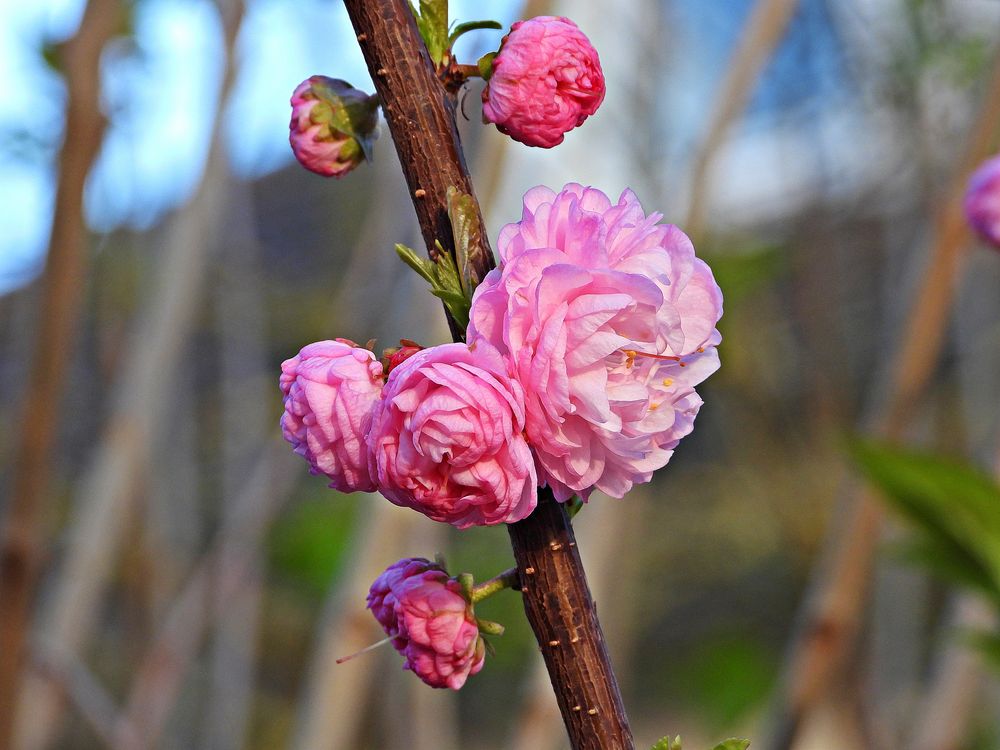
(395, 356)
(333, 125)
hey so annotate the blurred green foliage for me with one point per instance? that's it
(955, 509)
(308, 543)
(726, 678)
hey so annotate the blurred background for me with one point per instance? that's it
(172, 577)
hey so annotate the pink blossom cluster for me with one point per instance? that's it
(584, 350)
(442, 434)
(430, 622)
(546, 80)
(982, 201)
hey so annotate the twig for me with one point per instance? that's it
(764, 29)
(62, 286)
(223, 572)
(108, 485)
(86, 694)
(557, 601)
(333, 706)
(246, 416)
(834, 608)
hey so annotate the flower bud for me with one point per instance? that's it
(333, 125)
(545, 80)
(395, 356)
(982, 201)
(330, 389)
(430, 621)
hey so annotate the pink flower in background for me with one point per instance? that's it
(982, 201)
(546, 80)
(446, 438)
(332, 126)
(330, 388)
(430, 622)
(609, 320)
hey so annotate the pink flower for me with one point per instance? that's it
(546, 81)
(430, 621)
(382, 594)
(333, 125)
(609, 320)
(446, 438)
(330, 388)
(982, 201)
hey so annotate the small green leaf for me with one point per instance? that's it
(485, 65)
(468, 235)
(423, 267)
(733, 744)
(464, 28)
(488, 627)
(442, 275)
(665, 743)
(466, 581)
(432, 22)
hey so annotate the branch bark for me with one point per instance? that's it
(62, 288)
(421, 118)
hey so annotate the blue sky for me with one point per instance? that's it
(159, 91)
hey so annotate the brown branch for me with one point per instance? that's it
(563, 616)
(834, 611)
(763, 31)
(62, 287)
(421, 118)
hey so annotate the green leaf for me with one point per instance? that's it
(432, 22)
(955, 505)
(665, 743)
(467, 232)
(464, 28)
(733, 744)
(485, 65)
(423, 267)
(949, 562)
(442, 275)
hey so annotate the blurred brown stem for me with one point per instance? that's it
(108, 486)
(764, 29)
(59, 311)
(557, 601)
(835, 606)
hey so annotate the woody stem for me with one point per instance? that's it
(557, 601)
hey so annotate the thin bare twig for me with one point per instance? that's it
(763, 31)
(109, 483)
(834, 608)
(62, 288)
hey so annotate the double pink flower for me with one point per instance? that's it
(584, 351)
(444, 435)
(608, 319)
(430, 622)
